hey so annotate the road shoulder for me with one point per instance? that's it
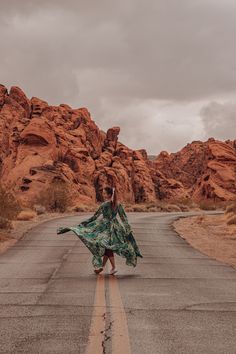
(210, 235)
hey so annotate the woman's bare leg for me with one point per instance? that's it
(112, 261)
(105, 258)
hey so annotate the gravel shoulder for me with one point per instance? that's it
(211, 235)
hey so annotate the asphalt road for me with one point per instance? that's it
(176, 300)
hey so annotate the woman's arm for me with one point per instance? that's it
(123, 216)
(94, 217)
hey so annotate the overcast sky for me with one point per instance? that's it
(163, 70)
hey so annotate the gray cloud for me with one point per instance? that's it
(219, 120)
(115, 57)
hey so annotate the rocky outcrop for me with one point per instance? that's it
(41, 144)
(207, 170)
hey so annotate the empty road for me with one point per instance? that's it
(176, 300)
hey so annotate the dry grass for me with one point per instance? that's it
(207, 205)
(231, 208)
(40, 209)
(232, 220)
(84, 208)
(5, 223)
(200, 219)
(172, 207)
(25, 215)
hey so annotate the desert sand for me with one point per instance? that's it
(211, 235)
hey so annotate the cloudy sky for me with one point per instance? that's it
(163, 70)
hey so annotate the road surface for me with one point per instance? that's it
(176, 300)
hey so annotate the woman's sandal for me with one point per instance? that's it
(99, 270)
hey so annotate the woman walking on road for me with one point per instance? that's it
(107, 236)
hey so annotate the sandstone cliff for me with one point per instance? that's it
(42, 144)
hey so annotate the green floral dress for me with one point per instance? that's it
(107, 233)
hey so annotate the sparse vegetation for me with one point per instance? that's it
(55, 198)
(5, 223)
(25, 215)
(230, 214)
(231, 208)
(9, 206)
(232, 220)
(207, 205)
(83, 208)
(40, 209)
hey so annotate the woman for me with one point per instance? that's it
(107, 236)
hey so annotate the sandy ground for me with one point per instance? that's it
(7, 239)
(210, 235)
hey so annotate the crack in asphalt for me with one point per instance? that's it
(107, 333)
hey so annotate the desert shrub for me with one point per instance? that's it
(129, 208)
(183, 201)
(173, 207)
(184, 207)
(139, 208)
(200, 218)
(81, 208)
(5, 223)
(154, 208)
(151, 205)
(232, 220)
(231, 208)
(207, 205)
(229, 215)
(25, 215)
(40, 209)
(55, 198)
(9, 206)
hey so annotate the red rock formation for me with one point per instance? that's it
(207, 170)
(41, 144)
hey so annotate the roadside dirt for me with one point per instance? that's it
(211, 235)
(9, 238)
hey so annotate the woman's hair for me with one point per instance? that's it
(112, 192)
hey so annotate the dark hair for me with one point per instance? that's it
(109, 191)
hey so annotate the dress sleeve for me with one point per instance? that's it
(95, 215)
(124, 218)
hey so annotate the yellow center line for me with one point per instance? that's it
(97, 328)
(120, 334)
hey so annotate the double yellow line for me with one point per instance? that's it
(119, 329)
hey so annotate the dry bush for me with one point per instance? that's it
(129, 209)
(5, 223)
(231, 208)
(55, 198)
(139, 208)
(40, 209)
(200, 218)
(229, 215)
(171, 207)
(188, 202)
(9, 206)
(183, 207)
(25, 215)
(207, 205)
(81, 208)
(232, 220)
(155, 208)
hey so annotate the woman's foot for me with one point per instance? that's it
(99, 270)
(113, 271)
